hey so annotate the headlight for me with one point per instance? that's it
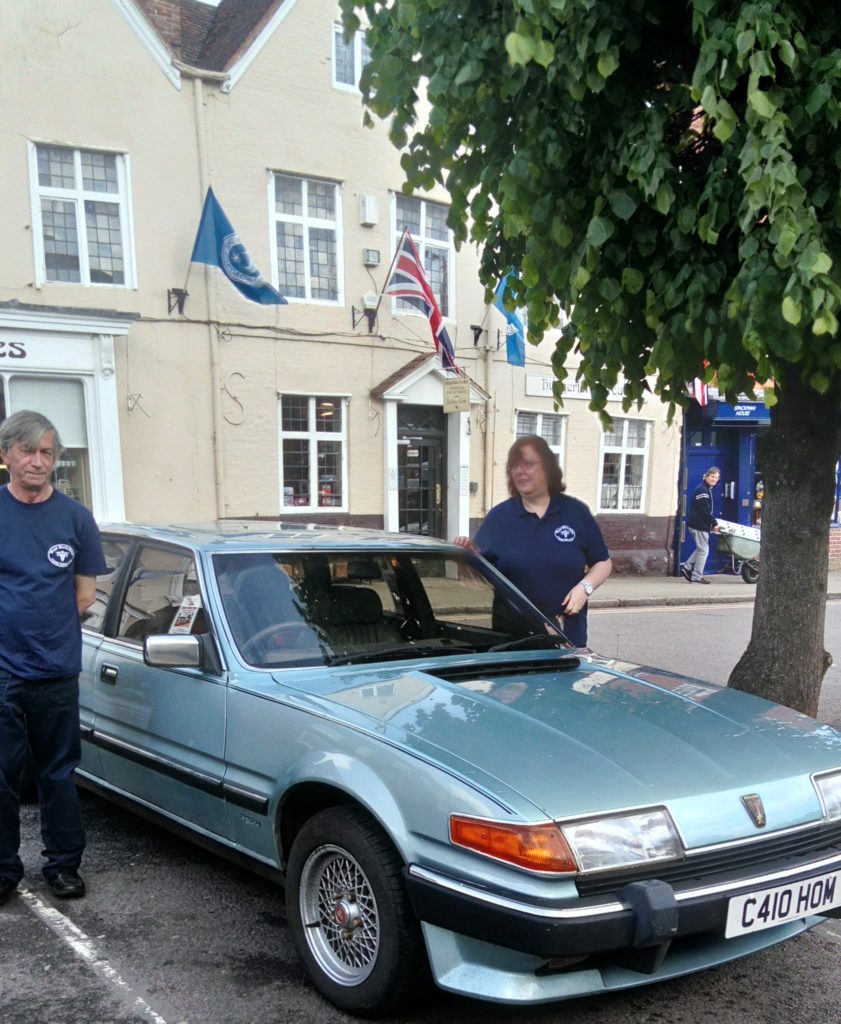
(623, 841)
(829, 790)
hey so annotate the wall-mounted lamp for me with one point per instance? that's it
(478, 331)
(370, 304)
(176, 297)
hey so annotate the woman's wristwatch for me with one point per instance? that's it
(587, 585)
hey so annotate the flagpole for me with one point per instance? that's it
(388, 275)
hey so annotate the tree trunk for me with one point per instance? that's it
(785, 660)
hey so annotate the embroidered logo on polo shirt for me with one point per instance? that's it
(61, 555)
(565, 534)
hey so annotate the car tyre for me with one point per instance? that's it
(350, 915)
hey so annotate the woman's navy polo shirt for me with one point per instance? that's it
(545, 557)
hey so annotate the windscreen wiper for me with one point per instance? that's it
(536, 641)
(398, 651)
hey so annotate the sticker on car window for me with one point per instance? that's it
(186, 614)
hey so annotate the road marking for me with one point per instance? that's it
(83, 947)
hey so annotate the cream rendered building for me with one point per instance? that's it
(115, 117)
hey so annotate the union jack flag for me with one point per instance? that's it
(699, 391)
(408, 281)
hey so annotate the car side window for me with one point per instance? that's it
(162, 596)
(115, 552)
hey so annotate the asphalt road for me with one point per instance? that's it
(171, 934)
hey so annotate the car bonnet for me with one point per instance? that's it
(601, 737)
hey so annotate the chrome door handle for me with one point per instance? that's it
(108, 673)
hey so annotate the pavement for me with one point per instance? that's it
(631, 591)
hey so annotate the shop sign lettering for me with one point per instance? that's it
(12, 350)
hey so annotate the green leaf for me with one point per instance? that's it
(664, 199)
(821, 264)
(817, 97)
(791, 310)
(469, 72)
(632, 280)
(544, 52)
(609, 288)
(761, 103)
(608, 63)
(622, 204)
(598, 231)
(582, 276)
(745, 41)
(787, 54)
(520, 48)
(788, 237)
(820, 382)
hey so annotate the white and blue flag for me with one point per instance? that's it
(218, 244)
(515, 337)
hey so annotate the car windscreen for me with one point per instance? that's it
(330, 608)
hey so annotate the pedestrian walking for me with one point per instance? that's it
(700, 522)
(546, 542)
(50, 555)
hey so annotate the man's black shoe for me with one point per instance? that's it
(7, 887)
(67, 884)
(686, 573)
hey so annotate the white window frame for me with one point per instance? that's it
(624, 450)
(558, 449)
(307, 222)
(313, 437)
(421, 243)
(356, 47)
(78, 196)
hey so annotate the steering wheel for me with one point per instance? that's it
(279, 631)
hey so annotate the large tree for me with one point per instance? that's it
(669, 174)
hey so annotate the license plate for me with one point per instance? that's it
(770, 907)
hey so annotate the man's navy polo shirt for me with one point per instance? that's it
(545, 557)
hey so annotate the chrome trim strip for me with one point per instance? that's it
(192, 776)
(825, 864)
(734, 844)
(614, 907)
(551, 913)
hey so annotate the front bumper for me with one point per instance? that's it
(631, 928)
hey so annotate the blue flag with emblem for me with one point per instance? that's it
(515, 338)
(218, 244)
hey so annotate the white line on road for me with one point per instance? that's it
(83, 947)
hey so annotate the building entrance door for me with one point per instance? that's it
(420, 470)
(711, 446)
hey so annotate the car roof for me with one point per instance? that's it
(250, 534)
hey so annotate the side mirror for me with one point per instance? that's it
(172, 651)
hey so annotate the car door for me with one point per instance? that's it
(93, 622)
(161, 731)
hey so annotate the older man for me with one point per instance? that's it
(50, 555)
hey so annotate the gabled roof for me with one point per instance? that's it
(210, 38)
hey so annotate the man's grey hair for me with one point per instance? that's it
(27, 428)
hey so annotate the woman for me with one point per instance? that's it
(700, 521)
(545, 542)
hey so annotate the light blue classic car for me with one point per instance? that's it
(442, 783)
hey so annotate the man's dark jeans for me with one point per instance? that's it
(44, 713)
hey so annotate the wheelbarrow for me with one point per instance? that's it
(741, 544)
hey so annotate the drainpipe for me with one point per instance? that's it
(199, 76)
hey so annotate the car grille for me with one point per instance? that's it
(732, 863)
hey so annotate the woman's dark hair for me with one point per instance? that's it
(554, 473)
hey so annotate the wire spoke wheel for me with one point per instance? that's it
(339, 913)
(350, 914)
